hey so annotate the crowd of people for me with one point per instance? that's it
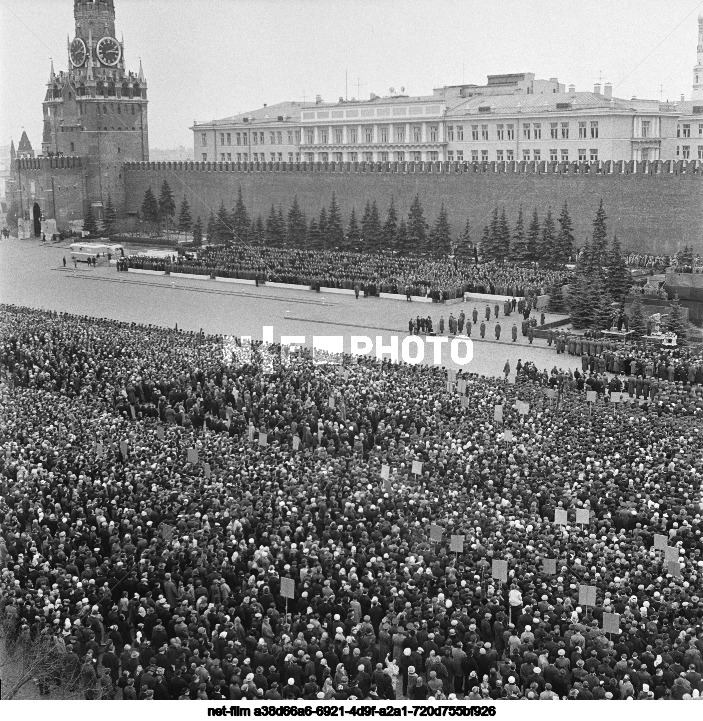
(373, 274)
(184, 523)
(671, 378)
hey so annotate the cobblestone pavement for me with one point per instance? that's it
(32, 274)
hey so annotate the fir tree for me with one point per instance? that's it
(533, 238)
(580, 302)
(240, 219)
(353, 240)
(185, 220)
(198, 232)
(401, 242)
(314, 239)
(618, 274)
(89, 224)
(599, 243)
(224, 225)
(417, 226)
(557, 301)
(366, 225)
(322, 225)
(375, 229)
(167, 205)
(490, 244)
(335, 230)
(547, 241)
(271, 227)
(518, 243)
(485, 245)
(297, 225)
(463, 246)
(390, 228)
(109, 217)
(565, 238)
(260, 230)
(441, 236)
(601, 303)
(281, 228)
(502, 246)
(211, 230)
(638, 322)
(150, 209)
(676, 322)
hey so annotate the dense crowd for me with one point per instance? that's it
(383, 273)
(158, 495)
(669, 378)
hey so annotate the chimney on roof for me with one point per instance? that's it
(341, 99)
(596, 88)
(683, 97)
(318, 99)
(264, 104)
(572, 88)
(608, 91)
(553, 80)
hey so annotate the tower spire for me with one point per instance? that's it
(52, 74)
(141, 72)
(698, 69)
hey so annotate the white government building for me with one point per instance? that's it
(514, 117)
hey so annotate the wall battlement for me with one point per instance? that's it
(44, 162)
(692, 168)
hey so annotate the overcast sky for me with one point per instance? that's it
(205, 59)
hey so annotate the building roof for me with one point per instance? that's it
(377, 100)
(539, 103)
(686, 107)
(289, 109)
(25, 146)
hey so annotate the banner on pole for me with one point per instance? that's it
(561, 517)
(611, 622)
(508, 435)
(192, 455)
(160, 432)
(456, 544)
(124, 448)
(451, 375)
(263, 439)
(436, 532)
(251, 433)
(288, 588)
(464, 402)
(671, 553)
(523, 408)
(498, 413)
(660, 543)
(99, 450)
(461, 385)
(549, 566)
(591, 396)
(166, 531)
(583, 517)
(207, 471)
(499, 571)
(330, 403)
(551, 393)
(296, 443)
(387, 486)
(673, 568)
(587, 595)
(417, 468)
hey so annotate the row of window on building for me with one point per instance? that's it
(400, 156)
(683, 130)
(257, 138)
(530, 131)
(684, 152)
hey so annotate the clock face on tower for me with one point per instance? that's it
(108, 51)
(78, 52)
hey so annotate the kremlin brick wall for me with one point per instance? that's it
(653, 207)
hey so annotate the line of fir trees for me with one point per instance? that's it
(601, 279)
(538, 242)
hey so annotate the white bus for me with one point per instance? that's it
(84, 252)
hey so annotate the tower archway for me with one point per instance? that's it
(36, 217)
